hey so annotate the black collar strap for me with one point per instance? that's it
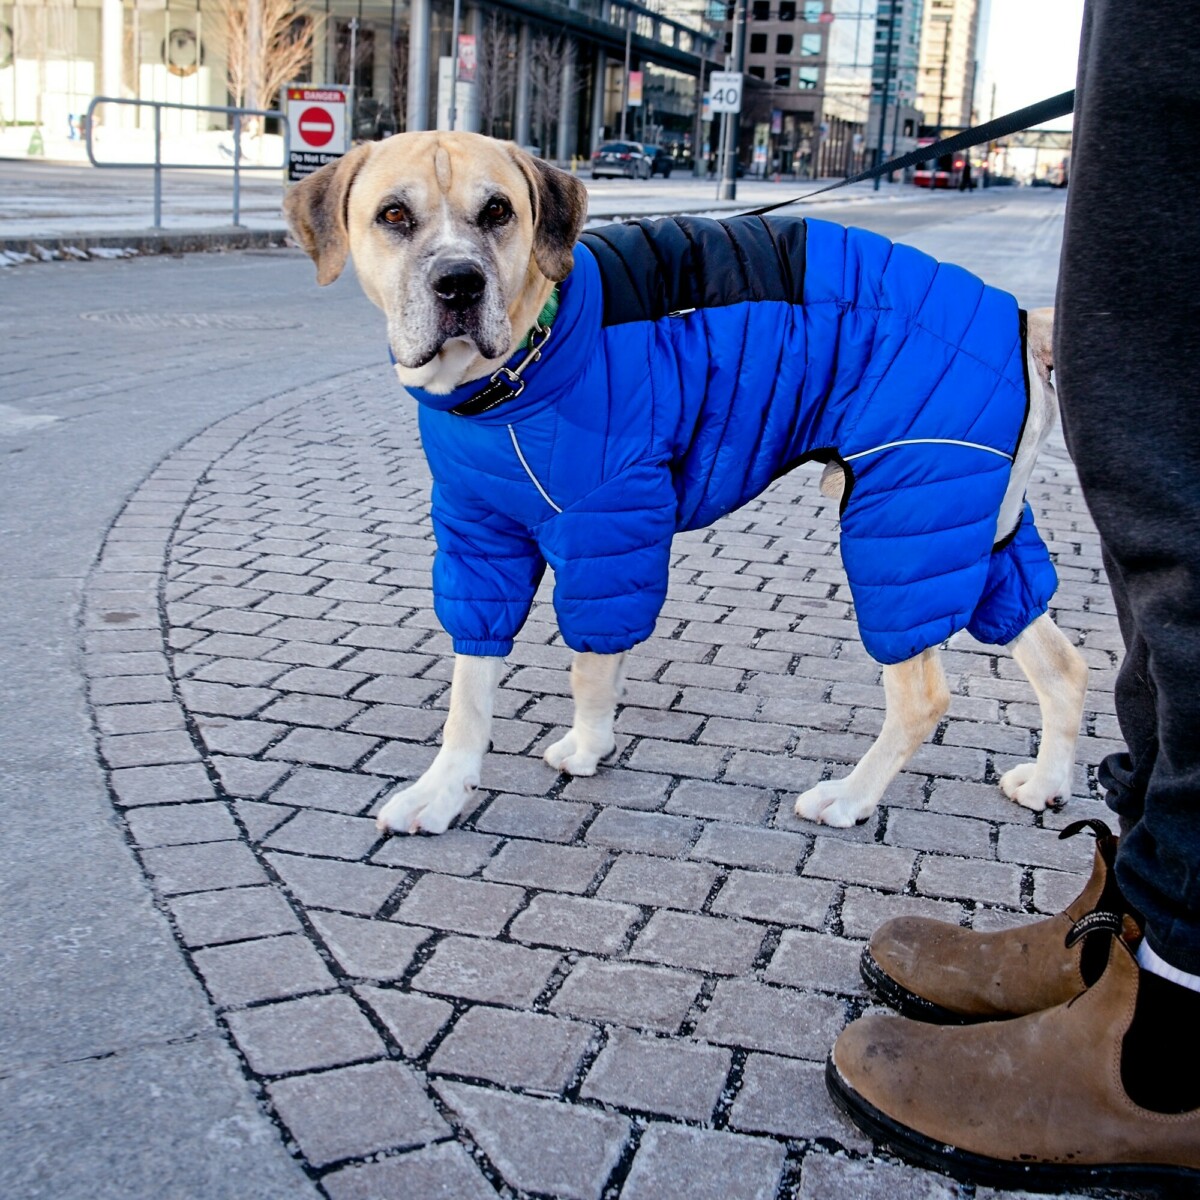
(506, 383)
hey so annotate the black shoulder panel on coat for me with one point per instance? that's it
(652, 268)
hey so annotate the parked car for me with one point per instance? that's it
(626, 159)
(661, 162)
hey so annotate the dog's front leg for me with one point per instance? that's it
(442, 792)
(596, 685)
(917, 699)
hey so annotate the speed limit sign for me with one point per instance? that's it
(726, 89)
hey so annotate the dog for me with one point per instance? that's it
(687, 364)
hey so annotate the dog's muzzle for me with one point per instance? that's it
(459, 284)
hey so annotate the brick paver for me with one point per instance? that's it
(591, 987)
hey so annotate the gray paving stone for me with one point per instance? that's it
(320, 681)
(864, 911)
(533, 817)
(328, 835)
(882, 866)
(304, 1035)
(645, 997)
(537, 865)
(493, 972)
(658, 882)
(1042, 848)
(646, 833)
(378, 950)
(354, 1111)
(526, 1050)
(441, 1172)
(323, 747)
(697, 798)
(265, 969)
(658, 1075)
(969, 878)
(575, 923)
(719, 946)
(138, 718)
(1054, 890)
(202, 868)
(394, 721)
(677, 758)
(337, 791)
(825, 1178)
(763, 849)
(463, 905)
(717, 1166)
(941, 833)
(148, 749)
(299, 708)
(788, 1098)
(222, 699)
(779, 899)
(817, 961)
(178, 824)
(130, 689)
(260, 819)
(780, 1020)
(540, 1145)
(621, 788)
(210, 918)
(246, 778)
(455, 852)
(225, 735)
(413, 1020)
(325, 883)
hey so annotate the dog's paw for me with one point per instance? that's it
(1032, 789)
(574, 756)
(429, 805)
(835, 802)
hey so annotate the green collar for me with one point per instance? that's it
(544, 319)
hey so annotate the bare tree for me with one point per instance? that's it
(496, 76)
(547, 54)
(266, 44)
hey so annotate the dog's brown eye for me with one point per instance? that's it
(495, 212)
(394, 214)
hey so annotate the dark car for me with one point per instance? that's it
(661, 162)
(626, 159)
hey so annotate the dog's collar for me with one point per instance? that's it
(506, 383)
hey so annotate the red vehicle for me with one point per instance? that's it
(945, 172)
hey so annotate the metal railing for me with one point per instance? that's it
(235, 114)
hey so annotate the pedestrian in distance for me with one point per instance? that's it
(1066, 1053)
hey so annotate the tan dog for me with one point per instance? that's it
(460, 240)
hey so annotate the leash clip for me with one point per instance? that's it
(512, 375)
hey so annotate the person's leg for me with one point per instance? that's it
(1127, 329)
(1035, 1100)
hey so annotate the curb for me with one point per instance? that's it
(51, 247)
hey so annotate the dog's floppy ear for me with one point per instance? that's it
(559, 211)
(316, 212)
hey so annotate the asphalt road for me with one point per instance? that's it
(114, 1076)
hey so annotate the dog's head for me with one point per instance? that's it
(457, 237)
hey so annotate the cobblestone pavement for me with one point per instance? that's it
(624, 985)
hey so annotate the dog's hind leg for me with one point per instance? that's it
(596, 681)
(917, 699)
(1059, 677)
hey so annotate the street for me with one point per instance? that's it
(220, 654)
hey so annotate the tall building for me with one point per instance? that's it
(549, 73)
(949, 59)
(894, 112)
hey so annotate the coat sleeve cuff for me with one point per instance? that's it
(483, 649)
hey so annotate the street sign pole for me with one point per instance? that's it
(728, 190)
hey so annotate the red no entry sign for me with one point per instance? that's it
(315, 127)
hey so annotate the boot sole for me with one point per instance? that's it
(909, 1004)
(1168, 1182)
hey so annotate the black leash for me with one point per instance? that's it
(977, 135)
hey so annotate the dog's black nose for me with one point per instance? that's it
(459, 285)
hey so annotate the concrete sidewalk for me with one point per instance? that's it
(221, 655)
(58, 210)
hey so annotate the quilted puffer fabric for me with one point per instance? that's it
(694, 361)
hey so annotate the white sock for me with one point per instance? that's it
(1149, 961)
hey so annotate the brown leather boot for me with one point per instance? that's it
(1035, 1103)
(933, 971)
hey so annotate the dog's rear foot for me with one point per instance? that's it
(835, 802)
(575, 755)
(1033, 789)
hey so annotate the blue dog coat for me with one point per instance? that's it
(691, 363)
